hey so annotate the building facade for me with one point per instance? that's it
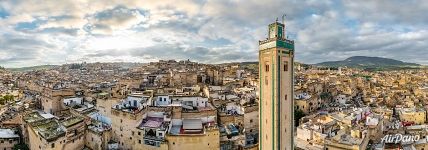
(276, 57)
(8, 139)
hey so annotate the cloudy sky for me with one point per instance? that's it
(35, 32)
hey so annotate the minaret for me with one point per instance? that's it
(276, 61)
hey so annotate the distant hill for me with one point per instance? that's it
(2, 69)
(370, 63)
(32, 68)
(255, 65)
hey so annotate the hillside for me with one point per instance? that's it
(370, 63)
(32, 68)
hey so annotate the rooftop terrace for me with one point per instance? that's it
(132, 104)
(72, 121)
(49, 129)
(33, 117)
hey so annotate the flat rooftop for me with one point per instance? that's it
(132, 104)
(49, 129)
(33, 117)
(72, 121)
(8, 134)
(98, 126)
(191, 127)
(153, 122)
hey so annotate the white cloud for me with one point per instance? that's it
(210, 31)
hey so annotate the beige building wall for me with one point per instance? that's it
(251, 120)
(418, 117)
(75, 144)
(7, 144)
(97, 140)
(38, 143)
(302, 105)
(142, 146)
(421, 146)
(209, 141)
(51, 100)
(124, 128)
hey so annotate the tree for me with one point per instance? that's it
(20, 146)
(298, 114)
(325, 95)
(2, 101)
(8, 98)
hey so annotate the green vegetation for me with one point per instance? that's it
(76, 66)
(326, 95)
(6, 98)
(298, 114)
(371, 64)
(33, 68)
(367, 77)
(20, 146)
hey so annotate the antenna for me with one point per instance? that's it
(283, 18)
(283, 23)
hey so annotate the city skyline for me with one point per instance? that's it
(60, 32)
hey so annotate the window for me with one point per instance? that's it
(251, 120)
(139, 133)
(53, 145)
(285, 65)
(266, 80)
(285, 97)
(267, 68)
